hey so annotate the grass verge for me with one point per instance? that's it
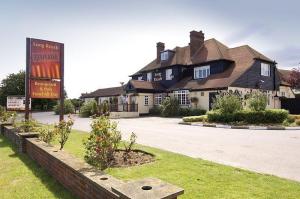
(22, 178)
(201, 179)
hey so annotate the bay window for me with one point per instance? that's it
(182, 97)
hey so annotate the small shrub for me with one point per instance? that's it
(63, 130)
(227, 103)
(104, 109)
(257, 101)
(202, 118)
(102, 142)
(88, 108)
(27, 126)
(297, 122)
(68, 107)
(132, 140)
(8, 116)
(290, 119)
(170, 107)
(46, 134)
(155, 110)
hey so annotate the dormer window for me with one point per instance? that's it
(149, 77)
(265, 69)
(201, 72)
(164, 55)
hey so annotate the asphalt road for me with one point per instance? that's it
(265, 151)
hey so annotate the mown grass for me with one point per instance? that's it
(201, 179)
(21, 178)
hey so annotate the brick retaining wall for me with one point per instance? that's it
(82, 179)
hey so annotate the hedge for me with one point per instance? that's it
(274, 116)
(201, 118)
(191, 112)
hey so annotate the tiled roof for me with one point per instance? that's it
(145, 85)
(104, 92)
(243, 58)
(211, 50)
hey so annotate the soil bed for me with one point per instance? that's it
(133, 158)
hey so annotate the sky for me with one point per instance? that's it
(106, 41)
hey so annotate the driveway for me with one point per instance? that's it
(264, 151)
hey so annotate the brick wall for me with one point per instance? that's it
(82, 179)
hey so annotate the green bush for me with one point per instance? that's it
(201, 118)
(155, 110)
(227, 103)
(68, 107)
(275, 116)
(257, 101)
(27, 126)
(297, 122)
(102, 143)
(46, 134)
(170, 107)
(88, 108)
(191, 112)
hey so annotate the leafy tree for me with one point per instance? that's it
(258, 101)
(294, 78)
(228, 103)
(170, 107)
(13, 84)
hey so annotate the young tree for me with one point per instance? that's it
(294, 78)
(13, 84)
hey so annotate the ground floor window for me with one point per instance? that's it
(158, 99)
(182, 96)
(146, 100)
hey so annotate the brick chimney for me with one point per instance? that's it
(196, 41)
(159, 47)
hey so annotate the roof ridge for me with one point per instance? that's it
(215, 41)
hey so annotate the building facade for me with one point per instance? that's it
(201, 70)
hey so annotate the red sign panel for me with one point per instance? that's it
(45, 59)
(44, 89)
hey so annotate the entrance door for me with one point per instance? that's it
(212, 97)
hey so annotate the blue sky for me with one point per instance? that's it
(105, 41)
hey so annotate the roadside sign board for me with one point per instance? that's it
(44, 72)
(16, 103)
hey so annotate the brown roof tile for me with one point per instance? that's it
(105, 92)
(138, 84)
(210, 51)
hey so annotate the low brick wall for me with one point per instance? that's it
(82, 179)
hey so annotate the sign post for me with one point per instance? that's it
(44, 72)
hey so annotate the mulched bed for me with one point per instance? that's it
(133, 158)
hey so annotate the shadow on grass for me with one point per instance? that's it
(48, 181)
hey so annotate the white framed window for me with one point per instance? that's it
(164, 55)
(146, 100)
(169, 74)
(265, 69)
(140, 78)
(158, 99)
(149, 77)
(182, 96)
(201, 72)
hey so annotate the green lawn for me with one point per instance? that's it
(200, 179)
(21, 178)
